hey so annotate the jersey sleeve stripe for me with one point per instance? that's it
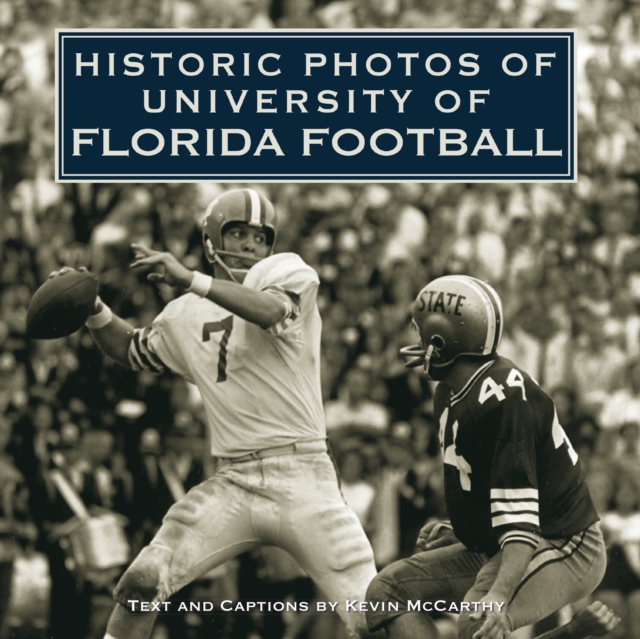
(144, 342)
(142, 351)
(498, 513)
(282, 326)
(518, 539)
(514, 501)
(292, 309)
(515, 518)
(136, 365)
(524, 536)
(281, 294)
(134, 358)
(514, 493)
(514, 507)
(140, 357)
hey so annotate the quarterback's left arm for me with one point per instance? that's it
(257, 307)
(113, 339)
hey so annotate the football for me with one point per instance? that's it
(61, 305)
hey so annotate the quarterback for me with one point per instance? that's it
(249, 339)
(523, 537)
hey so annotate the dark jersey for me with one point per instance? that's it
(510, 472)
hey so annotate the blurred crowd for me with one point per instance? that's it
(81, 438)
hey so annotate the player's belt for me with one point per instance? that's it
(316, 446)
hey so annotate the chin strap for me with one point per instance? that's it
(229, 271)
(236, 274)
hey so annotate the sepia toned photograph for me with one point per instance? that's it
(307, 410)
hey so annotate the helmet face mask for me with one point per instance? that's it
(455, 316)
(238, 206)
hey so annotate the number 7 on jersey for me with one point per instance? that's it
(225, 325)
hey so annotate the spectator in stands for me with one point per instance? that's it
(14, 128)
(15, 525)
(628, 458)
(357, 491)
(298, 14)
(620, 587)
(480, 251)
(540, 337)
(597, 361)
(623, 405)
(354, 410)
(421, 492)
(396, 458)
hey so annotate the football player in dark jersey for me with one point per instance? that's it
(524, 538)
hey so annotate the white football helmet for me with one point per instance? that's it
(231, 207)
(455, 315)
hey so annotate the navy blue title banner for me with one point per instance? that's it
(316, 105)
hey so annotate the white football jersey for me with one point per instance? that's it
(260, 388)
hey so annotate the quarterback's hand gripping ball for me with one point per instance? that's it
(62, 304)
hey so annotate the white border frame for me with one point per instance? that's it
(357, 178)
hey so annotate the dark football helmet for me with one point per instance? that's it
(455, 315)
(233, 207)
